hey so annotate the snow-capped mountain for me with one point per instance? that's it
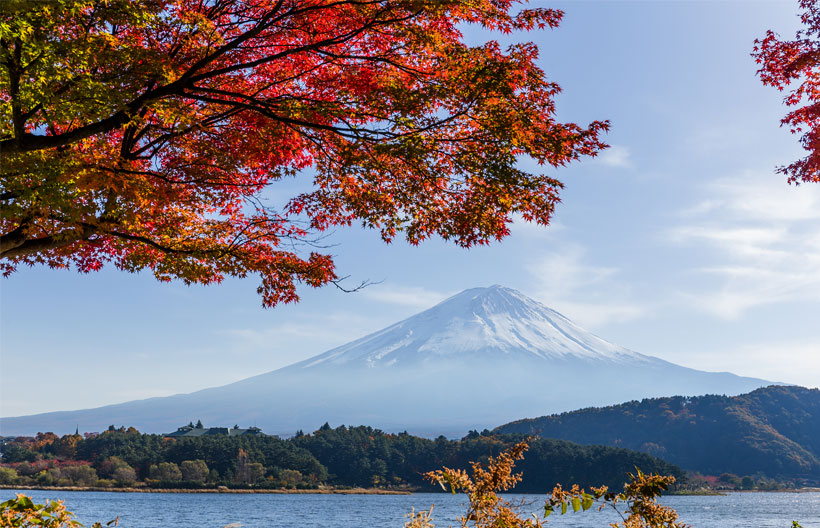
(476, 360)
(477, 324)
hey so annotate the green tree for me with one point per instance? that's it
(194, 470)
(290, 478)
(124, 475)
(79, 475)
(255, 471)
(109, 466)
(18, 453)
(247, 472)
(167, 471)
(730, 479)
(7, 475)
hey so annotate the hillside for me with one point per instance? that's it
(480, 358)
(773, 431)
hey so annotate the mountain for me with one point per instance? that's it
(773, 430)
(482, 357)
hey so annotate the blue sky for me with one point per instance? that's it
(679, 242)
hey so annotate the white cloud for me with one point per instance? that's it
(299, 338)
(589, 295)
(522, 228)
(412, 297)
(765, 197)
(616, 156)
(766, 235)
(739, 241)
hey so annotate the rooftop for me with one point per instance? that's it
(192, 430)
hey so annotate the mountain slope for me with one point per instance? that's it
(479, 323)
(479, 358)
(773, 430)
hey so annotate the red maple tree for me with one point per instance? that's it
(797, 62)
(142, 132)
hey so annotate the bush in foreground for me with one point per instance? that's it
(488, 510)
(21, 512)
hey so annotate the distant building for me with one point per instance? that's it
(191, 430)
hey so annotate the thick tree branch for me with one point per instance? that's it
(16, 245)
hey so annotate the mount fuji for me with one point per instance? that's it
(483, 357)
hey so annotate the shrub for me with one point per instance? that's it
(124, 475)
(79, 475)
(487, 509)
(290, 478)
(8, 475)
(21, 512)
(194, 470)
(165, 471)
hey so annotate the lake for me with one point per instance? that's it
(206, 510)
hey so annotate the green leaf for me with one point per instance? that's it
(576, 504)
(587, 502)
(563, 508)
(547, 510)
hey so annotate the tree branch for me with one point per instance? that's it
(15, 244)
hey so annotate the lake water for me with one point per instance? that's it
(160, 510)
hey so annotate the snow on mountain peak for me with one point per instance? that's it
(477, 324)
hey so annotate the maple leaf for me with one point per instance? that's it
(794, 66)
(143, 132)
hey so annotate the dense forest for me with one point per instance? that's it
(773, 431)
(336, 457)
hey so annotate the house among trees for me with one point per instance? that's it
(199, 430)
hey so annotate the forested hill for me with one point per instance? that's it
(774, 431)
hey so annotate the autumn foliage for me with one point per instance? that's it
(794, 66)
(489, 510)
(149, 133)
(22, 512)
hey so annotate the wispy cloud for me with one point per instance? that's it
(759, 197)
(299, 338)
(522, 228)
(616, 156)
(742, 242)
(766, 235)
(588, 294)
(410, 296)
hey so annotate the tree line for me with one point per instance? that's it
(336, 457)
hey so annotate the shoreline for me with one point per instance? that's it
(329, 491)
(332, 491)
(707, 493)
